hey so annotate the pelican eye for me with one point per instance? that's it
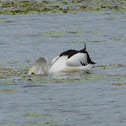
(32, 73)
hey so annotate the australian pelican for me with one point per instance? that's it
(67, 62)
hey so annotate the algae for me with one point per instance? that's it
(46, 122)
(74, 6)
(52, 80)
(35, 115)
(60, 32)
(11, 125)
(9, 91)
(50, 122)
(2, 21)
(111, 66)
(96, 76)
(119, 84)
(9, 76)
(88, 41)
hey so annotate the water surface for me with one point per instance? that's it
(96, 99)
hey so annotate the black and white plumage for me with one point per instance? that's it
(68, 61)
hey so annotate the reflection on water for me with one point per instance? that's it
(67, 99)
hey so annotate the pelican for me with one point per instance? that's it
(67, 62)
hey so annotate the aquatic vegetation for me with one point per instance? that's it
(50, 122)
(74, 6)
(46, 122)
(2, 21)
(10, 76)
(89, 41)
(11, 124)
(119, 84)
(10, 72)
(54, 32)
(35, 115)
(52, 80)
(111, 66)
(60, 32)
(9, 91)
(95, 76)
(8, 82)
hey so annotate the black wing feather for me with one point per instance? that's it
(70, 53)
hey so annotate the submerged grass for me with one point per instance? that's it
(89, 41)
(119, 84)
(60, 32)
(111, 66)
(11, 124)
(9, 91)
(74, 6)
(19, 75)
(35, 115)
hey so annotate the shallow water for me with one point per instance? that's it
(96, 99)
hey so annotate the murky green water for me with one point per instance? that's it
(96, 99)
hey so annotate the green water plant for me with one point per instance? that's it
(9, 91)
(111, 66)
(15, 7)
(35, 115)
(10, 75)
(119, 84)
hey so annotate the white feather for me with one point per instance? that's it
(39, 67)
(54, 60)
(61, 66)
(77, 59)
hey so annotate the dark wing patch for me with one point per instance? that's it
(82, 64)
(89, 59)
(69, 53)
